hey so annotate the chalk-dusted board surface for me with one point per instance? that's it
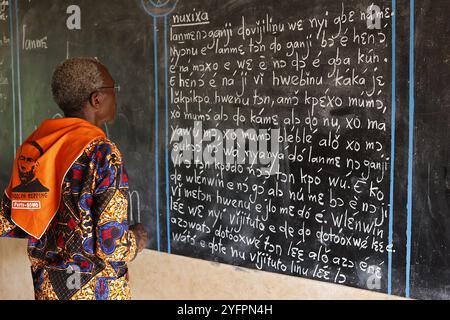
(306, 138)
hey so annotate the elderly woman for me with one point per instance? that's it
(68, 193)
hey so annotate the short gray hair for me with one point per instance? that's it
(73, 82)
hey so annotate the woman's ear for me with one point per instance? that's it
(96, 99)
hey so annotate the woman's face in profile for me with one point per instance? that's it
(109, 106)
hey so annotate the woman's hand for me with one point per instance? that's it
(141, 236)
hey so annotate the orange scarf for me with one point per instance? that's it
(41, 164)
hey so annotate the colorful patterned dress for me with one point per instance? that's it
(83, 253)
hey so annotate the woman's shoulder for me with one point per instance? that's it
(103, 147)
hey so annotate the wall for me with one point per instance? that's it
(157, 275)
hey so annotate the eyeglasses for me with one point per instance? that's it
(116, 90)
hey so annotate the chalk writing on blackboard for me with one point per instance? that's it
(280, 142)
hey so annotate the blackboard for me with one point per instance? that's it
(306, 138)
